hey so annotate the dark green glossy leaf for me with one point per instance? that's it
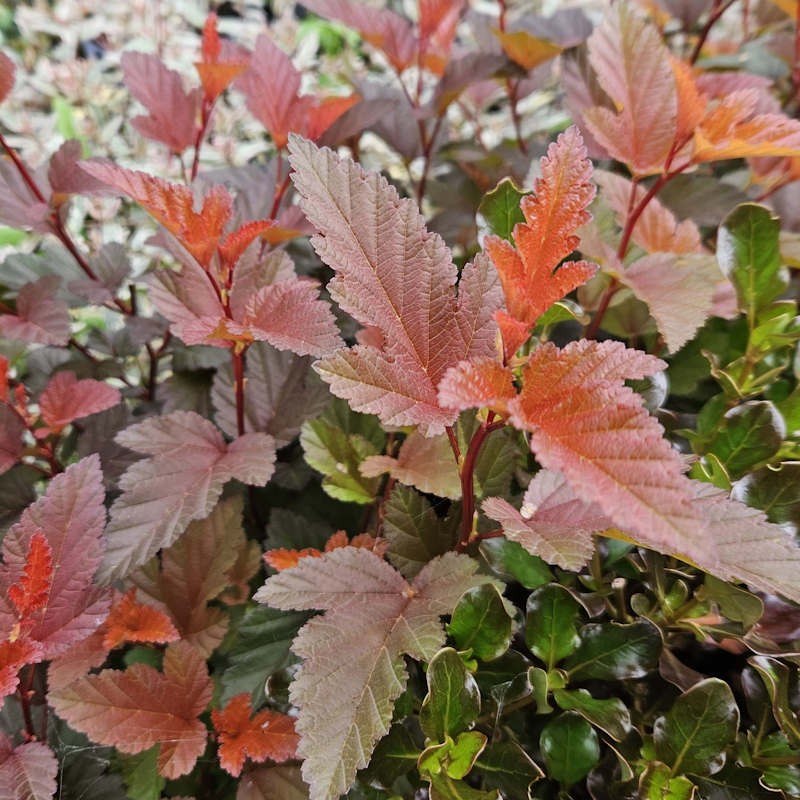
(693, 735)
(454, 758)
(747, 250)
(511, 561)
(610, 651)
(570, 748)
(735, 603)
(775, 491)
(534, 681)
(453, 701)
(500, 208)
(657, 783)
(507, 767)
(336, 443)
(551, 620)
(790, 408)
(443, 787)
(751, 434)
(141, 777)
(785, 776)
(734, 782)
(481, 623)
(258, 648)
(414, 531)
(776, 676)
(610, 715)
(395, 755)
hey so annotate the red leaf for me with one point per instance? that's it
(28, 771)
(72, 516)
(41, 317)
(32, 591)
(552, 215)
(7, 69)
(216, 71)
(437, 27)
(131, 621)
(234, 244)
(282, 558)
(172, 117)
(66, 399)
(14, 655)
(172, 205)
(141, 707)
(479, 384)
(12, 428)
(268, 735)
(321, 114)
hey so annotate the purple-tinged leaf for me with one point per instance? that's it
(71, 515)
(66, 399)
(41, 318)
(182, 480)
(19, 206)
(12, 429)
(27, 771)
(66, 177)
(112, 267)
(7, 69)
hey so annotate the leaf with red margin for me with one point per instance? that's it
(14, 655)
(219, 68)
(28, 771)
(280, 558)
(140, 707)
(131, 621)
(392, 273)
(172, 111)
(172, 205)
(529, 272)
(553, 522)
(41, 317)
(633, 67)
(66, 399)
(181, 481)
(7, 70)
(587, 424)
(437, 28)
(72, 515)
(12, 429)
(268, 735)
(32, 591)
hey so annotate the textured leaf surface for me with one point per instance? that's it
(7, 70)
(132, 621)
(28, 771)
(66, 399)
(135, 709)
(41, 317)
(588, 425)
(374, 616)
(556, 209)
(71, 515)
(632, 65)
(553, 523)
(181, 481)
(391, 273)
(32, 591)
(268, 735)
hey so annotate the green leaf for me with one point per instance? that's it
(11, 236)
(496, 462)
(414, 531)
(500, 208)
(258, 648)
(570, 748)
(785, 777)
(551, 623)
(734, 783)
(775, 491)
(481, 623)
(395, 755)
(336, 443)
(453, 758)
(777, 676)
(534, 681)
(735, 603)
(507, 767)
(610, 715)
(609, 651)
(511, 561)
(657, 783)
(140, 773)
(453, 701)
(748, 253)
(693, 735)
(751, 434)
(444, 787)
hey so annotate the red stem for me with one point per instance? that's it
(428, 153)
(238, 381)
(205, 118)
(717, 10)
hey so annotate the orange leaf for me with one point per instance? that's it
(130, 621)
(691, 102)
(281, 558)
(14, 655)
(267, 735)
(552, 215)
(525, 49)
(234, 244)
(216, 73)
(338, 539)
(32, 591)
(477, 384)
(321, 114)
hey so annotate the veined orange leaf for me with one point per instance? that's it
(218, 68)
(131, 621)
(32, 591)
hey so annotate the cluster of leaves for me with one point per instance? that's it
(492, 495)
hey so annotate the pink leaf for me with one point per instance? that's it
(71, 515)
(19, 206)
(66, 176)
(172, 111)
(66, 399)
(633, 67)
(393, 274)
(28, 771)
(41, 317)
(586, 424)
(7, 69)
(12, 429)
(135, 709)
(484, 383)
(182, 480)
(553, 522)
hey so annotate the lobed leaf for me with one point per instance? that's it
(66, 399)
(182, 480)
(32, 591)
(132, 621)
(374, 616)
(27, 771)
(391, 273)
(41, 317)
(139, 707)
